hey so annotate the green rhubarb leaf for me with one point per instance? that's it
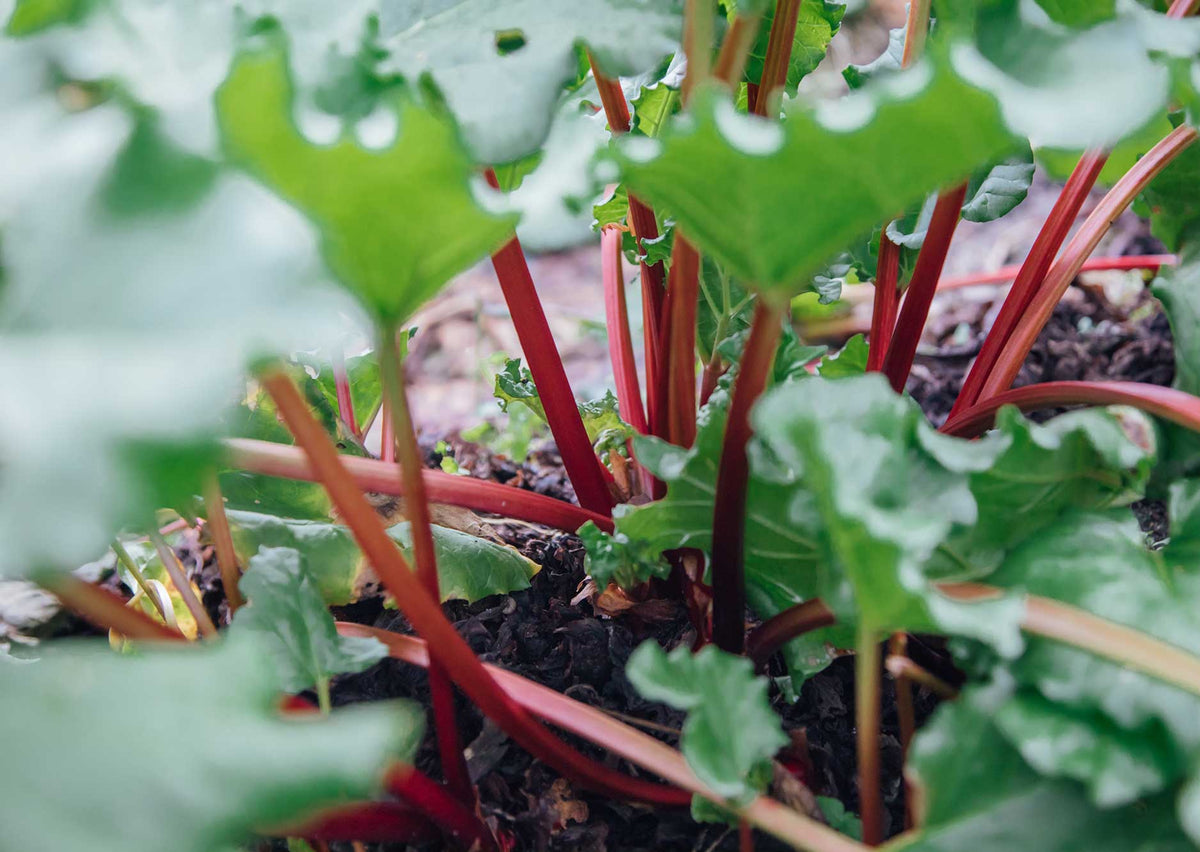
(1075, 89)
(286, 608)
(257, 417)
(362, 371)
(810, 168)
(69, 719)
(617, 559)
(1079, 13)
(856, 76)
(124, 350)
(30, 16)
(502, 66)
(469, 567)
(885, 490)
(714, 688)
(1178, 290)
(654, 107)
(1124, 733)
(392, 256)
(1079, 460)
(1183, 547)
(601, 417)
(1171, 201)
(1099, 562)
(850, 360)
(976, 792)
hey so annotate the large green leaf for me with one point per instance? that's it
(502, 66)
(82, 725)
(1122, 733)
(885, 490)
(285, 608)
(714, 688)
(1079, 460)
(396, 222)
(1178, 290)
(1171, 201)
(140, 281)
(774, 202)
(1075, 89)
(469, 568)
(976, 792)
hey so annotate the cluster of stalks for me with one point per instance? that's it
(419, 806)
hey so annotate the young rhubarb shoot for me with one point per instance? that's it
(620, 343)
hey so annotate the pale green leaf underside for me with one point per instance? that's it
(70, 744)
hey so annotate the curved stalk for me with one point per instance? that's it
(620, 342)
(588, 476)
(271, 459)
(431, 799)
(416, 507)
(1031, 273)
(729, 509)
(1064, 270)
(641, 749)
(370, 822)
(780, 629)
(425, 614)
(1168, 403)
(916, 28)
(218, 525)
(697, 44)
(919, 296)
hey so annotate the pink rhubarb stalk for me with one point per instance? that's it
(620, 342)
(588, 476)
(271, 459)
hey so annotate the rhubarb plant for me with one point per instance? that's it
(219, 223)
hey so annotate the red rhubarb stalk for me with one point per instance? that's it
(620, 342)
(1149, 262)
(1032, 272)
(678, 419)
(1064, 270)
(729, 509)
(366, 822)
(1168, 403)
(887, 269)
(416, 509)
(645, 227)
(588, 476)
(886, 303)
(779, 52)
(271, 459)
(431, 799)
(425, 614)
(345, 402)
(919, 296)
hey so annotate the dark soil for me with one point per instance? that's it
(542, 635)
